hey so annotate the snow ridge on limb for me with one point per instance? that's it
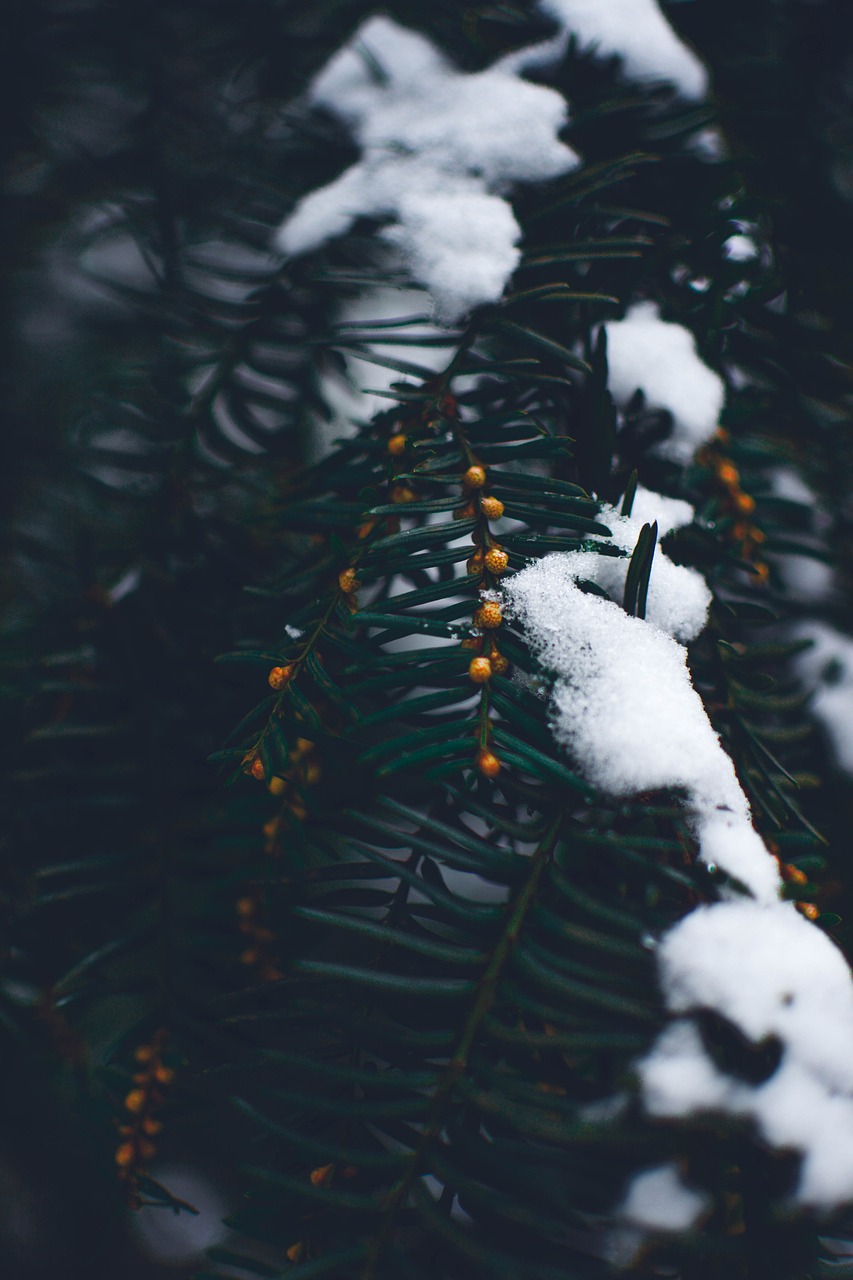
(441, 149)
(623, 705)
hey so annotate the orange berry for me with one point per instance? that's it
(276, 786)
(474, 477)
(402, 493)
(144, 1053)
(793, 874)
(397, 445)
(135, 1101)
(488, 616)
(163, 1075)
(761, 571)
(480, 670)
(728, 473)
(745, 503)
(496, 561)
(348, 582)
(500, 664)
(151, 1126)
(809, 909)
(125, 1155)
(488, 764)
(245, 906)
(280, 676)
(492, 508)
(257, 769)
(757, 535)
(320, 1176)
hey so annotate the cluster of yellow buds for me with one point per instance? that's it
(744, 532)
(141, 1124)
(258, 953)
(489, 558)
(322, 1176)
(793, 875)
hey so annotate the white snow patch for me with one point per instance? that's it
(622, 701)
(740, 248)
(440, 150)
(637, 32)
(827, 668)
(678, 597)
(659, 358)
(772, 974)
(658, 1200)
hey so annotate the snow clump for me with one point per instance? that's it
(660, 359)
(637, 32)
(776, 978)
(827, 668)
(441, 149)
(623, 705)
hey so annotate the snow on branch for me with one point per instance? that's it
(638, 33)
(623, 705)
(660, 359)
(440, 151)
(622, 702)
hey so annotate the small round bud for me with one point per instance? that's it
(245, 906)
(471, 643)
(745, 503)
(500, 664)
(761, 571)
(488, 616)
(402, 493)
(397, 445)
(480, 670)
(475, 564)
(474, 477)
(279, 677)
(294, 1252)
(276, 786)
(348, 582)
(488, 764)
(135, 1100)
(144, 1053)
(809, 909)
(492, 508)
(163, 1075)
(496, 560)
(257, 769)
(728, 473)
(125, 1155)
(321, 1175)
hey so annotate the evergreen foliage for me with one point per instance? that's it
(285, 874)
